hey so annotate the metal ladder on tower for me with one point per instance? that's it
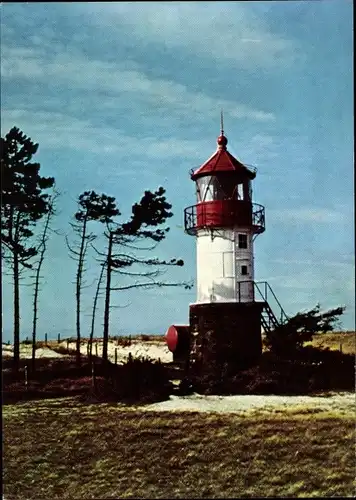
(268, 318)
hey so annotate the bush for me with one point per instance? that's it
(26, 342)
(62, 350)
(287, 339)
(137, 381)
(140, 380)
(310, 371)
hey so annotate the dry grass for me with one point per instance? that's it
(333, 340)
(345, 341)
(63, 449)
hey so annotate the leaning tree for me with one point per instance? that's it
(24, 203)
(124, 239)
(91, 207)
(288, 339)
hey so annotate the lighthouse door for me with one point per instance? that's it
(244, 284)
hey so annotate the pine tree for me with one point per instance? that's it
(153, 210)
(289, 338)
(24, 203)
(91, 207)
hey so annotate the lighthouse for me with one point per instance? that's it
(231, 308)
(225, 321)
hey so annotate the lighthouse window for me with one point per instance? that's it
(242, 240)
(240, 192)
(204, 189)
(243, 270)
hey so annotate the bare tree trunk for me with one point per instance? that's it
(107, 299)
(34, 321)
(16, 312)
(94, 311)
(79, 288)
(37, 285)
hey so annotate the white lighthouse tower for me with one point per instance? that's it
(225, 222)
(225, 320)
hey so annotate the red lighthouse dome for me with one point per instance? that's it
(222, 161)
(224, 194)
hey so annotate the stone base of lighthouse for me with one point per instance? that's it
(225, 338)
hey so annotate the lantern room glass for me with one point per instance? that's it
(214, 187)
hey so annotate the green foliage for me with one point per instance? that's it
(23, 204)
(291, 336)
(152, 210)
(91, 207)
(95, 207)
(23, 201)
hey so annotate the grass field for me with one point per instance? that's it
(332, 340)
(345, 341)
(63, 449)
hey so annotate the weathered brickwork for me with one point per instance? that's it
(224, 337)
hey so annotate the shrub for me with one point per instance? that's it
(311, 370)
(137, 381)
(289, 338)
(26, 342)
(140, 380)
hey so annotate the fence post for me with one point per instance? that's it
(92, 376)
(26, 378)
(96, 349)
(115, 355)
(67, 343)
(340, 346)
(59, 338)
(46, 338)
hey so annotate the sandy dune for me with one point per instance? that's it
(147, 349)
(339, 402)
(151, 350)
(26, 352)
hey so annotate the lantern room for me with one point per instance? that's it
(223, 194)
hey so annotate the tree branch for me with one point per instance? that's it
(157, 284)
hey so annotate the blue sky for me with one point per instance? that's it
(123, 97)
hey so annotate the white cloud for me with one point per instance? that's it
(222, 31)
(125, 80)
(57, 130)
